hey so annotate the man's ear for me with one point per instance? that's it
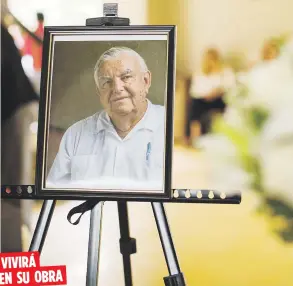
(147, 79)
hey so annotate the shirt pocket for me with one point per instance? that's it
(156, 167)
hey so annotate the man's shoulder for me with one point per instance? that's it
(87, 124)
(158, 109)
(157, 116)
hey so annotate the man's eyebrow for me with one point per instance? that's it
(126, 72)
(104, 77)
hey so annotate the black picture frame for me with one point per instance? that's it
(44, 114)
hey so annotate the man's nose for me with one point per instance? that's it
(118, 85)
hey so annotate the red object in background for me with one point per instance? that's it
(26, 50)
(37, 49)
(33, 48)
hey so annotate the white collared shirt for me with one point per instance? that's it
(202, 85)
(92, 151)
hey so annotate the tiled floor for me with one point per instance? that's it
(214, 243)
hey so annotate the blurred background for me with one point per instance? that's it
(233, 129)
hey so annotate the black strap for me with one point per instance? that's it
(82, 208)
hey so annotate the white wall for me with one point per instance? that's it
(57, 12)
(74, 12)
(235, 24)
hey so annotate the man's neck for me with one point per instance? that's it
(125, 123)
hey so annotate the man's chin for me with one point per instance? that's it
(122, 107)
(122, 111)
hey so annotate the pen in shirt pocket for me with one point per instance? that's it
(148, 153)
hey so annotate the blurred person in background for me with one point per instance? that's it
(270, 50)
(207, 91)
(19, 109)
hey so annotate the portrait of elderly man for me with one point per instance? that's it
(123, 141)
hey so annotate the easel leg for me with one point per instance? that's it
(94, 245)
(127, 244)
(176, 277)
(42, 226)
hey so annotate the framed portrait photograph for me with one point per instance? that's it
(106, 112)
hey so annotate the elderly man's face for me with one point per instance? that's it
(122, 85)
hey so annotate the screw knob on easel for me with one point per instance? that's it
(110, 9)
(110, 17)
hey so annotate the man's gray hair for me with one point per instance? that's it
(115, 52)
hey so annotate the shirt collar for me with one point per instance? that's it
(149, 120)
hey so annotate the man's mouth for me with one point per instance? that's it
(118, 98)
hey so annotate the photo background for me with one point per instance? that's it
(73, 95)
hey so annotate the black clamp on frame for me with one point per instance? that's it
(174, 280)
(110, 17)
(127, 246)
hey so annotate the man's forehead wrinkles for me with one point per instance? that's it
(127, 71)
(120, 61)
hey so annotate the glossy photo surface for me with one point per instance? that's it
(106, 97)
